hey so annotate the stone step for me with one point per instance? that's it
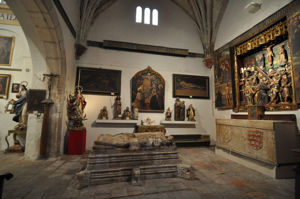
(132, 153)
(102, 161)
(106, 176)
(102, 149)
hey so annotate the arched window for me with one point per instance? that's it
(147, 16)
(155, 17)
(138, 14)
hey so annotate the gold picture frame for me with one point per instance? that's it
(6, 50)
(4, 85)
(10, 107)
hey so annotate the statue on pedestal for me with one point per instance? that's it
(135, 113)
(117, 111)
(177, 109)
(76, 105)
(103, 115)
(190, 113)
(127, 114)
(168, 114)
(20, 109)
(182, 111)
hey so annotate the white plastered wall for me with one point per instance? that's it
(21, 59)
(176, 30)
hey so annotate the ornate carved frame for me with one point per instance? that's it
(134, 87)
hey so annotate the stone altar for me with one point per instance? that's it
(263, 145)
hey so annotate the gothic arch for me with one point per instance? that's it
(40, 24)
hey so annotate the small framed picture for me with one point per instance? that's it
(15, 88)
(4, 85)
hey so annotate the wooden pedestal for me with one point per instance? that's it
(77, 140)
(255, 112)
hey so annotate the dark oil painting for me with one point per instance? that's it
(15, 88)
(6, 50)
(35, 98)
(99, 81)
(148, 91)
(223, 80)
(294, 39)
(190, 86)
(4, 85)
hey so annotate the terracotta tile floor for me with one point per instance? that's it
(215, 177)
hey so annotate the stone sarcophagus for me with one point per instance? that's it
(132, 157)
(264, 145)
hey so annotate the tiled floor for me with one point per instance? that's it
(215, 177)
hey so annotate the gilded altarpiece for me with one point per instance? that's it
(264, 70)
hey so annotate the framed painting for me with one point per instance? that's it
(6, 50)
(4, 85)
(15, 88)
(294, 41)
(223, 80)
(99, 81)
(148, 91)
(190, 86)
(35, 98)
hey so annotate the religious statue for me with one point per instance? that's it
(262, 61)
(249, 92)
(127, 114)
(147, 122)
(103, 115)
(285, 88)
(190, 113)
(168, 116)
(135, 113)
(270, 56)
(117, 111)
(177, 109)
(20, 109)
(261, 95)
(283, 56)
(75, 109)
(275, 95)
(182, 111)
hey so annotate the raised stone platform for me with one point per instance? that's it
(132, 157)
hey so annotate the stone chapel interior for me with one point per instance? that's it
(200, 95)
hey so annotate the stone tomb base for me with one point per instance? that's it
(132, 158)
(282, 172)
